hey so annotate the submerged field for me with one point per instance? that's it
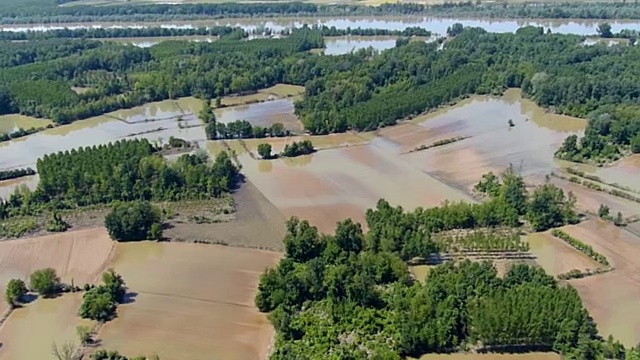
(190, 301)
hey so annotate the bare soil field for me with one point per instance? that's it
(556, 256)
(256, 223)
(333, 184)
(525, 356)
(30, 331)
(190, 301)
(612, 298)
(76, 255)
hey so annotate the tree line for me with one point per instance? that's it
(39, 11)
(121, 171)
(341, 296)
(16, 173)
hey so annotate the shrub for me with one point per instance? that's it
(45, 282)
(16, 289)
(264, 150)
(134, 221)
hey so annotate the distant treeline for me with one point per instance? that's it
(15, 173)
(41, 11)
(222, 31)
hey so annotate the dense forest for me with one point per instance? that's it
(346, 92)
(121, 171)
(40, 11)
(343, 297)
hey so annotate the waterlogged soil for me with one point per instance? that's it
(190, 301)
(346, 44)
(124, 124)
(612, 298)
(13, 122)
(624, 172)
(256, 223)
(333, 184)
(436, 25)
(556, 256)
(490, 144)
(8, 187)
(263, 114)
(30, 331)
(145, 42)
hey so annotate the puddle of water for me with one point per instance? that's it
(13, 122)
(347, 44)
(262, 114)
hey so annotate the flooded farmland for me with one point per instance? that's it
(346, 44)
(435, 25)
(262, 114)
(30, 331)
(179, 314)
(341, 182)
(490, 144)
(13, 122)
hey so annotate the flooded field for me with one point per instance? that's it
(77, 255)
(556, 256)
(13, 122)
(346, 44)
(420, 271)
(436, 25)
(155, 121)
(190, 301)
(29, 332)
(340, 182)
(8, 187)
(145, 42)
(491, 144)
(263, 114)
(612, 298)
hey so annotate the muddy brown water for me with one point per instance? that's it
(12, 122)
(492, 144)
(262, 114)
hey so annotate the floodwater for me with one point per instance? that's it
(12, 122)
(7, 187)
(177, 313)
(262, 114)
(625, 172)
(145, 42)
(24, 152)
(435, 25)
(346, 44)
(30, 332)
(491, 144)
(338, 183)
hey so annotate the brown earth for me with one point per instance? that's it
(612, 298)
(556, 256)
(257, 223)
(190, 301)
(30, 331)
(330, 185)
(78, 256)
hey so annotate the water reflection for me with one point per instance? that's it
(163, 120)
(436, 25)
(262, 114)
(347, 44)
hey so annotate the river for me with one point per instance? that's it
(436, 25)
